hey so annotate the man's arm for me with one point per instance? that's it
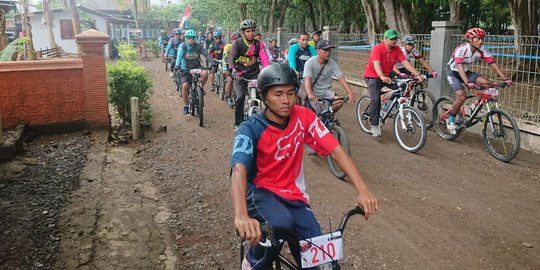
(364, 197)
(209, 59)
(378, 70)
(348, 89)
(499, 71)
(180, 62)
(247, 227)
(262, 55)
(291, 58)
(425, 64)
(413, 70)
(233, 55)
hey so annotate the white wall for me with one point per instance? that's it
(41, 38)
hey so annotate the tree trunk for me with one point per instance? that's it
(456, 10)
(525, 20)
(243, 11)
(29, 53)
(284, 6)
(74, 17)
(48, 18)
(3, 40)
(372, 8)
(136, 13)
(396, 16)
(311, 14)
(271, 26)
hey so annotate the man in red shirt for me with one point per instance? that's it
(382, 59)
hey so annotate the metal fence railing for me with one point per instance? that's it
(520, 60)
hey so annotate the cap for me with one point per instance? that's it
(324, 44)
(391, 34)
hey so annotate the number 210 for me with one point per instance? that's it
(330, 251)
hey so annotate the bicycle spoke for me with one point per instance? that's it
(501, 135)
(410, 130)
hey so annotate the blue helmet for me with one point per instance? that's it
(177, 31)
(217, 34)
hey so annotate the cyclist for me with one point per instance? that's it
(215, 50)
(458, 70)
(245, 57)
(299, 53)
(227, 71)
(315, 37)
(172, 48)
(209, 39)
(291, 42)
(162, 42)
(410, 52)
(318, 73)
(189, 57)
(267, 178)
(381, 61)
(274, 51)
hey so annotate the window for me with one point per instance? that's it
(66, 29)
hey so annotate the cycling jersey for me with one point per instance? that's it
(298, 56)
(274, 53)
(189, 56)
(243, 57)
(273, 153)
(172, 47)
(463, 55)
(414, 54)
(216, 50)
(225, 58)
(163, 41)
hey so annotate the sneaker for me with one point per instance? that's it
(375, 131)
(171, 74)
(451, 124)
(186, 110)
(230, 102)
(246, 265)
(235, 128)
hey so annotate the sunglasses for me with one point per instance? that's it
(190, 37)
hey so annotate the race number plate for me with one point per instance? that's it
(196, 71)
(321, 249)
(492, 92)
(252, 83)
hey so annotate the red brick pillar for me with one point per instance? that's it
(94, 78)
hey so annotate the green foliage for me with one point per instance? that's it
(126, 79)
(127, 52)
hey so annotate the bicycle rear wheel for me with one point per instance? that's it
(410, 129)
(340, 135)
(440, 112)
(222, 86)
(501, 135)
(199, 105)
(423, 101)
(362, 114)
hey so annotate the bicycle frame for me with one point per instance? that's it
(281, 260)
(252, 103)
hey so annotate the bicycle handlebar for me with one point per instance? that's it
(485, 86)
(345, 99)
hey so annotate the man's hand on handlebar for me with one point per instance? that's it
(368, 201)
(312, 97)
(248, 228)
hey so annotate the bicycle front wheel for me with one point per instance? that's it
(501, 135)
(362, 114)
(200, 105)
(340, 135)
(410, 129)
(423, 101)
(440, 112)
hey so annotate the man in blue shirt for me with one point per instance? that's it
(299, 53)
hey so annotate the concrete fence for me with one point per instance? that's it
(58, 95)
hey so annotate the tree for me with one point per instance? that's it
(525, 19)
(48, 19)
(456, 10)
(373, 16)
(29, 52)
(397, 16)
(3, 40)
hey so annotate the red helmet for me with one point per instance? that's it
(475, 32)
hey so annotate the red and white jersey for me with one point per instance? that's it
(273, 154)
(463, 54)
(414, 54)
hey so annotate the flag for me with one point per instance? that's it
(187, 15)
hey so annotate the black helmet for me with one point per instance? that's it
(276, 74)
(247, 24)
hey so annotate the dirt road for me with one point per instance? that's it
(451, 206)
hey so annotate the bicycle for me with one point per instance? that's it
(167, 63)
(219, 82)
(409, 125)
(329, 120)
(422, 100)
(505, 143)
(322, 252)
(195, 95)
(252, 104)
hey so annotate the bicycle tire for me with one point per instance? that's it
(200, 105)
(177, 83)
(362, 115)
(341, 136)
(496, 116)
(424, 101)
(414, 125)
(166, 65)
(192, 97)
(440, 107)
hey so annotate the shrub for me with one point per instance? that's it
(126, 79)
(127, 52)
